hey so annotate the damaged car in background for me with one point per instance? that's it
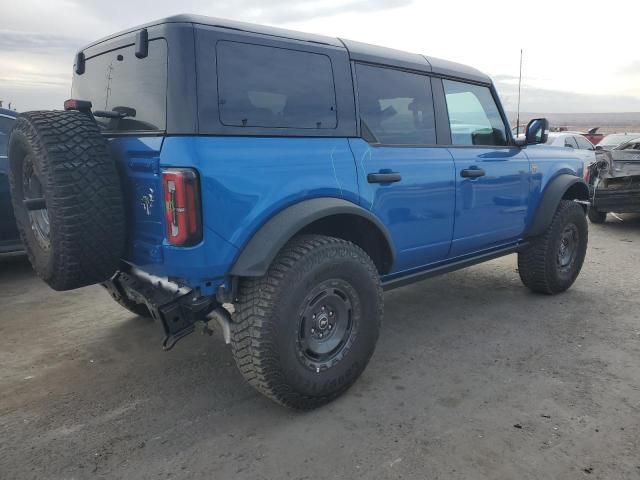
(614, 181)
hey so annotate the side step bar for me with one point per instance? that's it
(450, 267)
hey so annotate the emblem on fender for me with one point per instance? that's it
(147, 201)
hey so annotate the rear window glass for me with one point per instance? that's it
(136, 87)
(396, 107)
(262, 86)
(5, 127)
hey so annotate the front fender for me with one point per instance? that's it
(551, 197)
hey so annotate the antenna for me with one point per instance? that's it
(519, 85)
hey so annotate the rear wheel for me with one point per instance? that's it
(552, 262)
(304, 332)
(596, 216)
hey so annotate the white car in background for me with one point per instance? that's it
(583, 147)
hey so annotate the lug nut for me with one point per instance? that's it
(323, 308)
(330, 326)
(330, 313)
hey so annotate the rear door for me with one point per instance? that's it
(492, 177)
(403, 177)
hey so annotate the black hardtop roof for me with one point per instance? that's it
(357, 50)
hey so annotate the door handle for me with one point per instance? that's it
(384, 177)
(472, 173)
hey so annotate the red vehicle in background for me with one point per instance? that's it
(593, 136)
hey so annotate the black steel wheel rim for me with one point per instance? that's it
(38, 218)
(327, 324)
(568, 248)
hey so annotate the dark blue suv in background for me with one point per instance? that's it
(9, 238)
(277, 182)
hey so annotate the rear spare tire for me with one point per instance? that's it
(67, 197)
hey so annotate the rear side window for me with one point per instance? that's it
(473, 115)
(136, 87)
(396, 107)
(6, 124)
(272, 87)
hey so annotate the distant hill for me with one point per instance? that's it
(608, 122)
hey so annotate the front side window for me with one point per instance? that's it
(570, 142)
(474, 117)
(583, 143)
(272, 87)
(396, 107)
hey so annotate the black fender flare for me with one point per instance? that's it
(551, 197)
(264, 245)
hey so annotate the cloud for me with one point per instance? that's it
(633, 68)
(274, 11)
(28, 42)
(555, 101)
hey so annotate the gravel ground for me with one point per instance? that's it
(474, 378)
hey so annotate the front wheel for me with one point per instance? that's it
(304, 332)
(552, 262)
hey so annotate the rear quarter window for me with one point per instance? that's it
(118, 80)
(260, 86)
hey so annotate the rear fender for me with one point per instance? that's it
(257, 255)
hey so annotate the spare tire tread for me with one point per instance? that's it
(83, 192)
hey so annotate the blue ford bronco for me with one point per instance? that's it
(278, 182)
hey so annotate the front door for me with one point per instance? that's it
(403, 178)
(492, 177)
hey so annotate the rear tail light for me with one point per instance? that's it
(182, 206)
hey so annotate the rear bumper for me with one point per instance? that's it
(617, 200)
(178, 309)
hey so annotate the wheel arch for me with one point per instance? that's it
(563, 187)
(327, 216)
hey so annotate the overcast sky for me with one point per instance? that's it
(579, 56)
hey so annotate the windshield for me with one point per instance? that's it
(617, 138)
(134, 87)
(631, 145)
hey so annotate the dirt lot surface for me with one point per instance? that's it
(474, 378)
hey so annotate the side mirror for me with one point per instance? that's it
(599, 147)
(537, 131)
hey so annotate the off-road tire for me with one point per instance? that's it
(596, 216)
(268, 315)
(539, 264)
(82, 238)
